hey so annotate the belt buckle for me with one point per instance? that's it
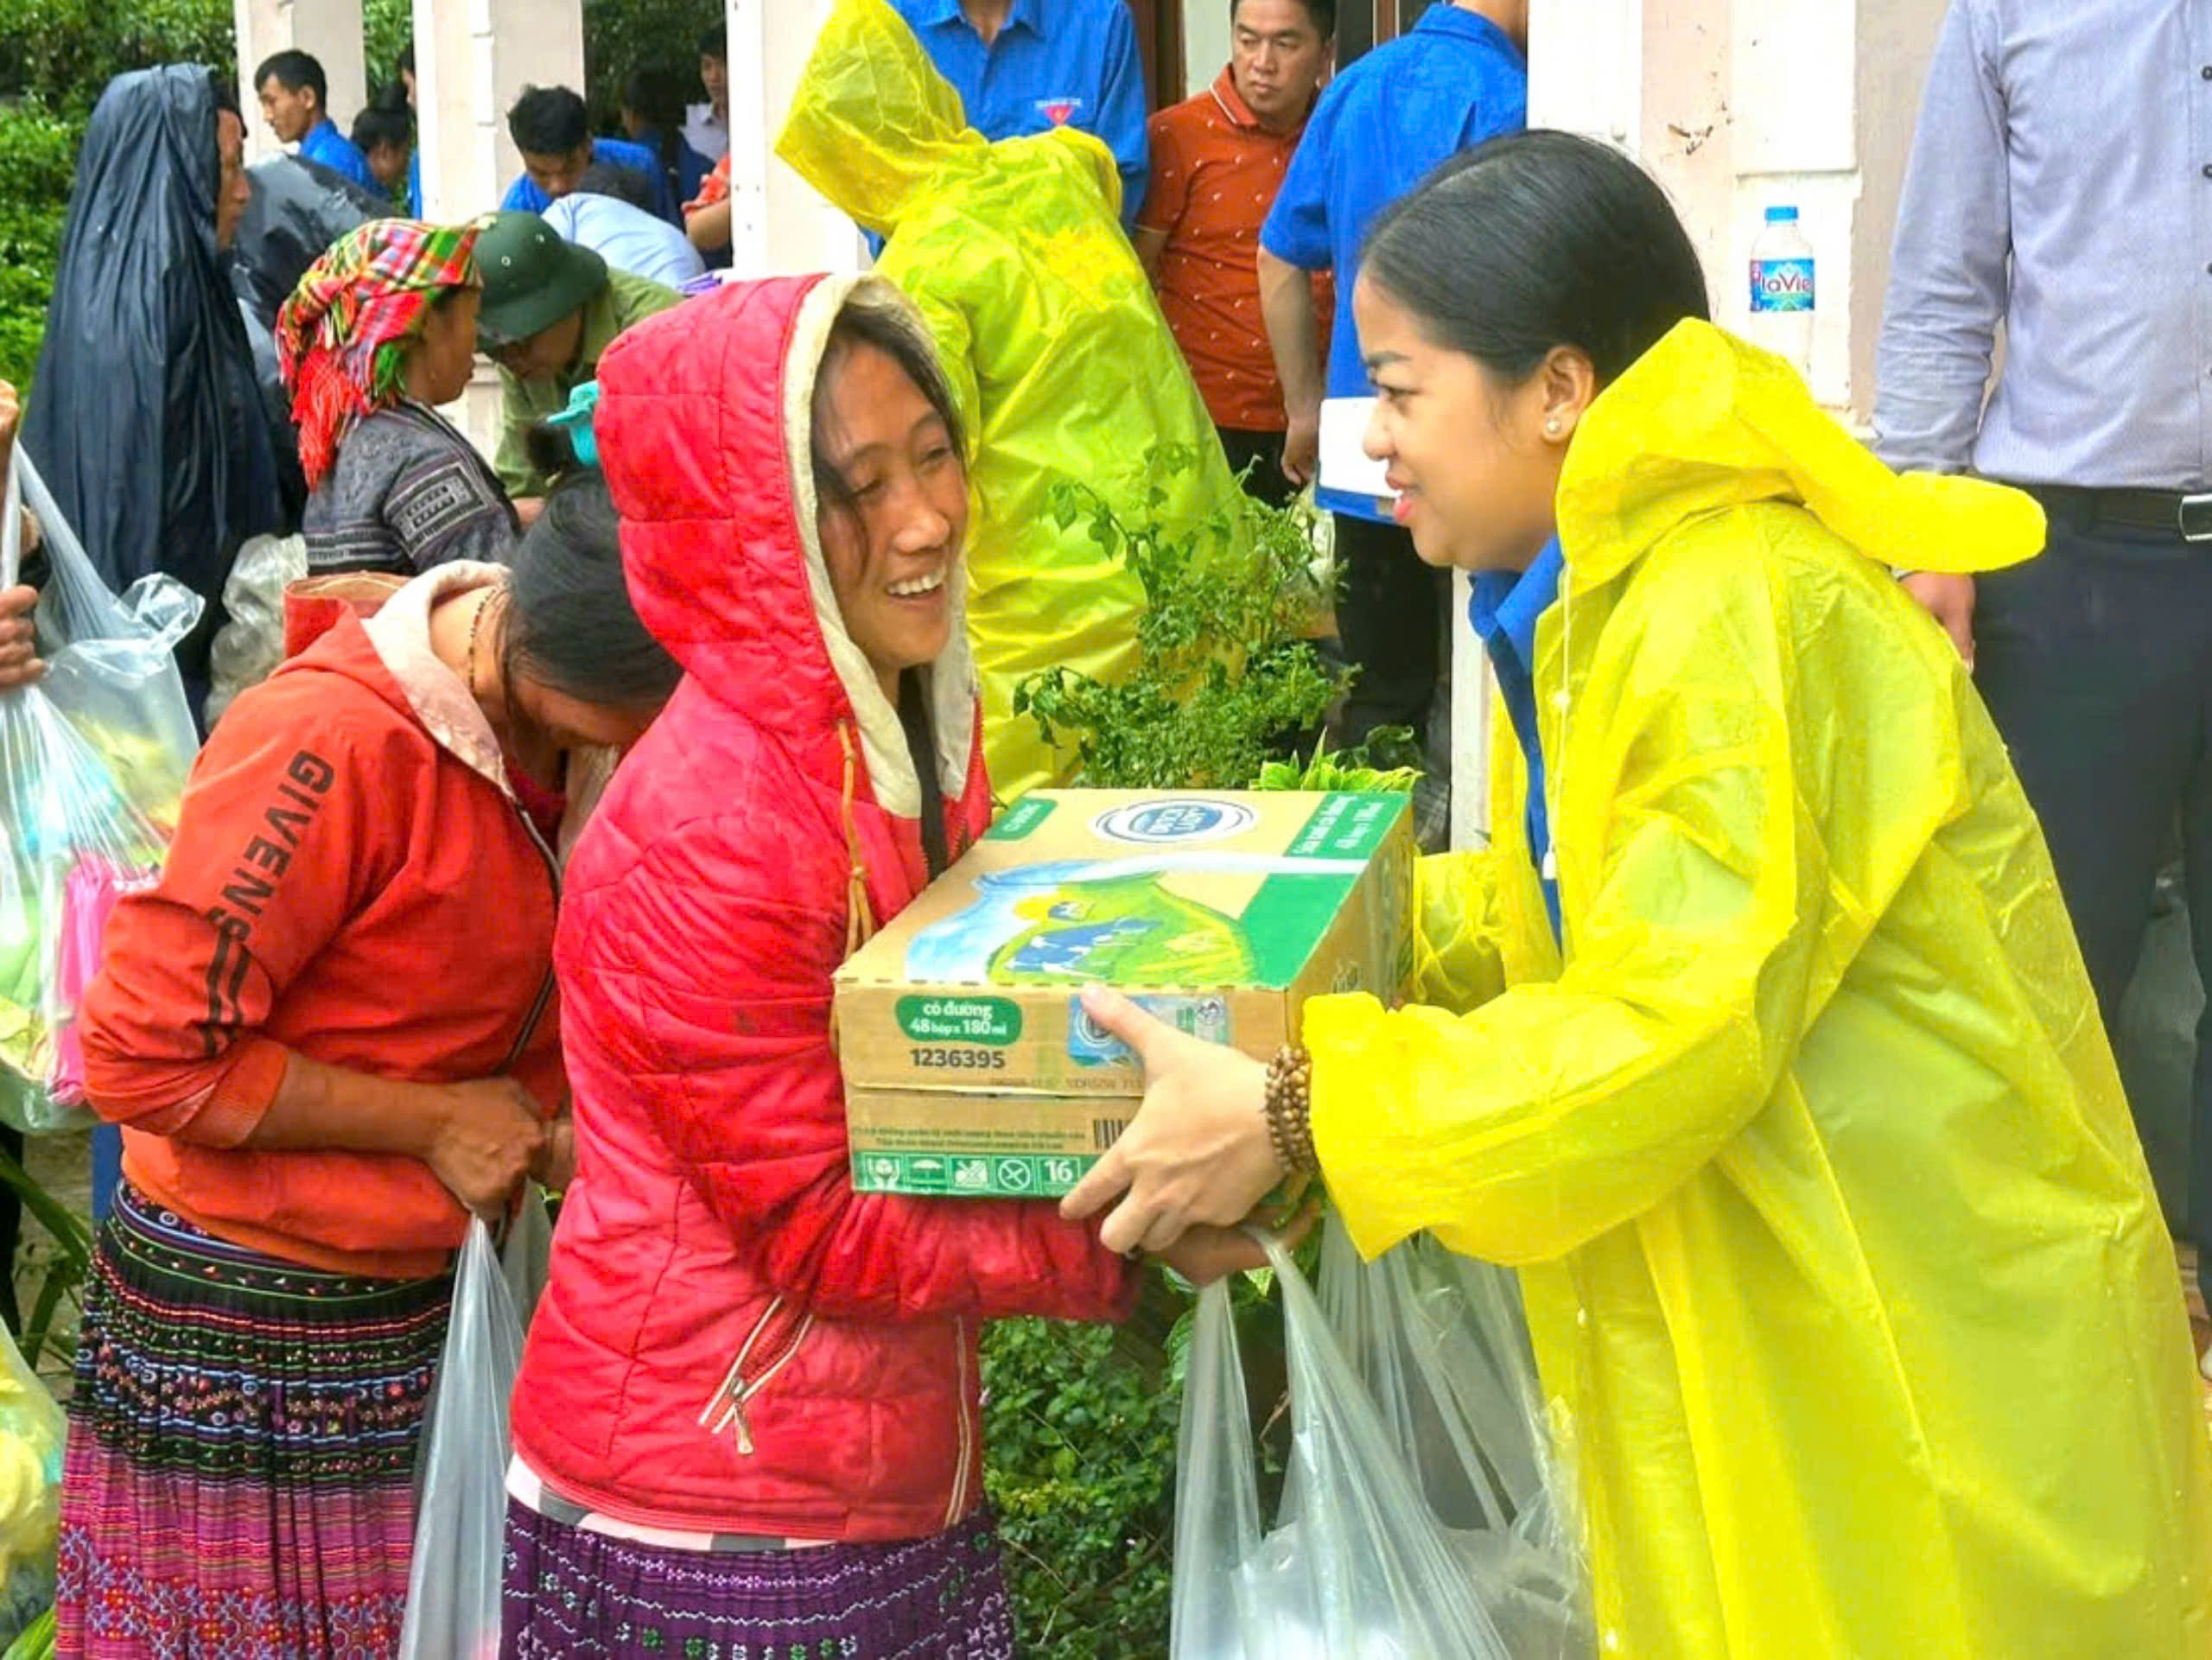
(2193, 518)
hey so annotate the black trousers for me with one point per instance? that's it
(2095, 661)
(1390, 617)
(1262, 453)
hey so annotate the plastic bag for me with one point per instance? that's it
(32, 1430)
(1441, 1348)
(1356, 1567)
(250, 645)
(461, 1517)
(92, 766)
(526, 1253)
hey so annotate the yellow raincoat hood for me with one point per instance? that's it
(1055, 348)
(1850, 1294)
(882, 129)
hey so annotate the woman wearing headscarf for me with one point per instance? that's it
(381, 331)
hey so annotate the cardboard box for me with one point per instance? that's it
(970, 1066)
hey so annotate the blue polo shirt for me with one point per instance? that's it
(1055, 63)
(1381, 127)
(1505, 608)
(327, 147)
(525, 197)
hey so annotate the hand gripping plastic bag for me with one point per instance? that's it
(1357, 1566)
(461, 1517)
(1440, 1346)
(92, 765)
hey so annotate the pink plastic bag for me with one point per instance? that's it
(88, 897)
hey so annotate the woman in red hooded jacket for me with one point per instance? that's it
(747, 1421)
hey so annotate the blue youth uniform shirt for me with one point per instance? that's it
(1379, 130)
(327, 147)
(1056, 63)
(1505, 608)
(525, 197)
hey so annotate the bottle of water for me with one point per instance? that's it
(1781, 291)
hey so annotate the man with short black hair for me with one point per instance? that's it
(552, 129)
(1023, 67)
(706, 126)
(1217, 161)
(295, 102)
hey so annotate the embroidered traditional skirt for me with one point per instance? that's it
(578, 1591)
(239, 1480)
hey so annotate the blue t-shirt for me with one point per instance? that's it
(327, 147)
(525, 197)
(1381, 127)
(1504, 607)
(1056, 63)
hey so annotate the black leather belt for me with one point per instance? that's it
(2187, 518)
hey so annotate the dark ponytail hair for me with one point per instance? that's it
(1538, 240)
(570, 624)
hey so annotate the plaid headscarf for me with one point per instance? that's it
(342, 338)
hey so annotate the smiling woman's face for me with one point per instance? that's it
(1474, 461)
(891, 550)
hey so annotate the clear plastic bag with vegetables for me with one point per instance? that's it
(93, 763)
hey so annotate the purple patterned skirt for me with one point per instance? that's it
(578, 1595)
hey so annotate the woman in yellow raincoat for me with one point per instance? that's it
(1059, 360)
(1777, 1073)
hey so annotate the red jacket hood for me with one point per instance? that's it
(705, 429)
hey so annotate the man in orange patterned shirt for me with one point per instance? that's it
(1217, 160)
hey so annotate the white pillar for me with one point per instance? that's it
(1205, 43)
(777, 224)
(471, 59)
(329, 29)
(1733, 105)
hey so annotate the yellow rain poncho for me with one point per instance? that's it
(1849, 1291)
(1058, 357)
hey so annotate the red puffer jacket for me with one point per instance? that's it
(733, 1340)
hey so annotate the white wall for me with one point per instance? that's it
(471, 62)
(1205, 43)
(778, 225)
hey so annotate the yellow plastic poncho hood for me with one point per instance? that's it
(883, 130)
(1849, 1289)
(1055, 348)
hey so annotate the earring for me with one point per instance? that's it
(1551, 428)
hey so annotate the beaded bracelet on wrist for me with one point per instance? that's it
(1289, 1101)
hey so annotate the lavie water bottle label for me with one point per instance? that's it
(1782, 284)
